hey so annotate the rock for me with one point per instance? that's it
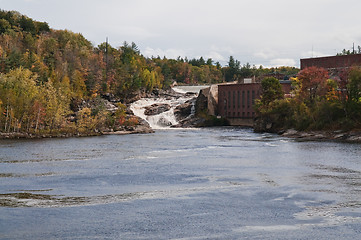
(340, 136)
(156, 109)
(143, 127)
(164, 122)
(110, 97)
(213, 100)
(202, 101)
(207, 101)
(190, 122)
(290, 133)
(319, 136)
(264, 124)
(354, 138)
(184, 110)
(110, 106)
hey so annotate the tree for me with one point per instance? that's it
(233, 70)
(18, 91)
(271, 90)
(27, 24)
(78, 85)
(354, 86)
(246, 70)
(4, 26)
(42, 27)
(313, 82)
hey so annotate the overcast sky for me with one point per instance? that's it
(261, 32)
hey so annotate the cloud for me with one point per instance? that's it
(279, 62)
(266, 54)
(267, 32)
(215, 56)
(311, 54)
(169, 53)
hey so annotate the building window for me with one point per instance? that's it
(229, 99)
(243, 99)
(248, 100)
(253, 97)
(234, 99)
(238, 99)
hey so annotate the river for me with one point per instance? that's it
(212, 183)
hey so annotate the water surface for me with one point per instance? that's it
(217, 183)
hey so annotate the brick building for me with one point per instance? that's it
(332, 62)
(236, 101)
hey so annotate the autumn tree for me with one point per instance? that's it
(18, 92)
(313, 82)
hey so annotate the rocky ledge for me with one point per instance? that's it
(346, 136)
(156, 108)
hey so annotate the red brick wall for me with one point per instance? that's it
(286, 87)
(332, 62)
(237, 100)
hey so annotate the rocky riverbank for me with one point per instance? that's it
(353, 136)
(198, 111)
(128, 124)
(141, 128)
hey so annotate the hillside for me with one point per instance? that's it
(56, 81)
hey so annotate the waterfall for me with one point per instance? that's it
(166, 119)
(159, 121)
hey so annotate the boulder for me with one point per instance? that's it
(142, 127)
(156, 109)
(207, 101)
(190, 122)
(184, 110)
(202, 101)
(164, 122)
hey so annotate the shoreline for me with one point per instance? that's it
(70, 135)
(353, 136)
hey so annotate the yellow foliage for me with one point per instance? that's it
(86, 122)
(78, 84)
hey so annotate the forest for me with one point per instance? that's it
(55, 80)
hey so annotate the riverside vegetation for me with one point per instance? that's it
(331, 108)
(55, 82)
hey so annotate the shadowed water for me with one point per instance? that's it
(219, 183)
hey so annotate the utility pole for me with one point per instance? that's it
(106, 59)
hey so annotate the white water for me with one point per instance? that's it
(162, 120)
(166, 119)
(190, 89)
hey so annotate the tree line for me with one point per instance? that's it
(47, 76)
